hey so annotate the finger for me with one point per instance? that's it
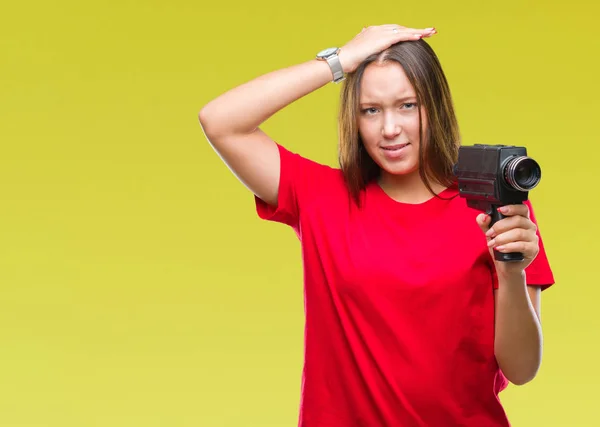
(512, 210)
(483, 221)
(509, 223)
(408, 29)
(423, 31)
(405, 33)
(528, 249)
(514, 235)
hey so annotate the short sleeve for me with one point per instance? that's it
(300, 180)
(539, 272)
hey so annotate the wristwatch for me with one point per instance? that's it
(331, 56)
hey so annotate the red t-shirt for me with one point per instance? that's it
(399, 305)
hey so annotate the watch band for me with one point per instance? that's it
(336, 67)
(330, 55)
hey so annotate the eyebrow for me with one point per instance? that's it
(403, 99)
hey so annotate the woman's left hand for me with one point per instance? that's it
(516, 233)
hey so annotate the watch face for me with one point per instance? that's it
(325, 53)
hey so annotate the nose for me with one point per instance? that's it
(391, 127)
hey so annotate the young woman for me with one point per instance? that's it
(409, 319)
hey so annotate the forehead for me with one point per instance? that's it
(386, 81)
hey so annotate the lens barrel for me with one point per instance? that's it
(522, 173)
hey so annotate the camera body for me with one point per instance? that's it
(491, 176)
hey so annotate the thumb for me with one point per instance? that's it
(483, 221)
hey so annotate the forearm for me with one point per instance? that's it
(518, 342)
(242, 109)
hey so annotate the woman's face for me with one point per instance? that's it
(389, 118)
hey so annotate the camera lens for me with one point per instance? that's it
(522, 173)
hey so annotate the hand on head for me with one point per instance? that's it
(375, 39)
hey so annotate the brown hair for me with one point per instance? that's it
(438, 149)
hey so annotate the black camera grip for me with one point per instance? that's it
(502, 256)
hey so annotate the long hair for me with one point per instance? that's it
(439, 142)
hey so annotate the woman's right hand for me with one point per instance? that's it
(375, 39)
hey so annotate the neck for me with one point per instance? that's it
(408, 188)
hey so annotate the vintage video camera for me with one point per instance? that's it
(490, 176)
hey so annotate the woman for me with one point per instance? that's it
(409, 320)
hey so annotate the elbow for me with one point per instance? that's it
(520, 364)
(520, 379)
(522, 375)
(213, 124)
(207, 123)
(203, 117)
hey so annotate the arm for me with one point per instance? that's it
(231, 121)
(518, 332)
(518, 343)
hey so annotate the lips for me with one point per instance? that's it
(395, 146)
(395, 152)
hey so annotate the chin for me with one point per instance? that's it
(398, 169)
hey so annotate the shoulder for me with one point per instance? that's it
(295, 158)
(306, 172)
(303, 185)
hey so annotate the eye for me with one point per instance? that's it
(369, 111)
(409, 105)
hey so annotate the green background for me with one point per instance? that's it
(138, 287)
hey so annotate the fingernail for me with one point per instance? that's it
(429, 29)
(499, 248)
(491, 243)
(503, 209)
(491, 233)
